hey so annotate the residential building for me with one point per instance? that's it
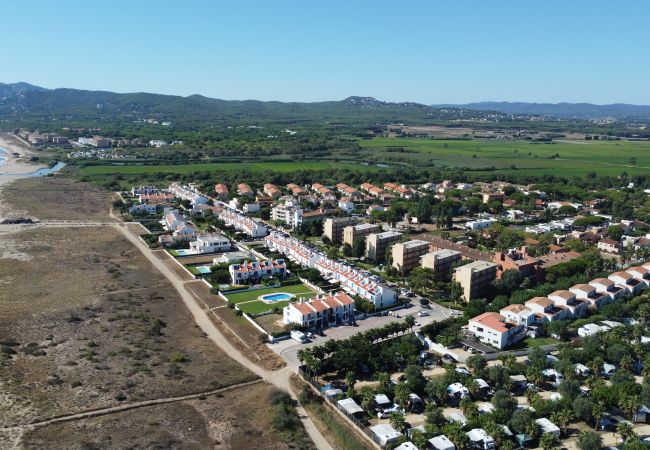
(296, 190)
(323, 191)
(144, 208)
(222, 191)
(438, 243)
(475, 278)
(346, 205)
(406, 255)
(640, 273)
(588, 293)
(609, 246)
(372, 190)
(321, 311)
(607, 286)
(400, 190)
(157, 143)
(254, 271)
(245, 190)
(289, 212)
(377, 244)
(625, 280)
(374, 208)
(478, 224)
(567, 299)
(494, 329)
(272, 191)
(440, 261)
(188, 192)
(491, 196)
(210, 243)
(519, 314)
(246, 225)
(333, 227)
(353, 233)
(350, 192)
(546, 310)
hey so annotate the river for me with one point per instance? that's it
(4, 154)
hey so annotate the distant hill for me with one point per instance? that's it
(563, 110)
(22, 101)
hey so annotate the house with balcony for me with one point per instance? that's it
(546, 309)
(320, 312)
(631, 285)
(641, 273)
(494, 329)
(567, 299)
(254, 271)
(607, 286)
(588, 293)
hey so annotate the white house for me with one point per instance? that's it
(568, 299)
(546, 308)
(640, 273)
(589, 293)
(320, 312)
(623, 279)
(346, 205)
(607, 286)
(251, 227)
(479, 224)
(210, 243)
(255, 271)
(143, 208)
(493, 329)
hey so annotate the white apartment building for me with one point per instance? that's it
(188, 192)
(288, 212)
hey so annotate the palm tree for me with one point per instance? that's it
(397, 421)
(598, 411)
(630, 405)
(595, 366)
(624, 430)
(535, 376)
(508, 359)
(562, 418)
(549, 441)
(410, 322)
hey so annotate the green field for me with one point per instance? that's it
(575, 157)
(299, 290)
(221, 167)
(258, 307)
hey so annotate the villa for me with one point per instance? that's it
(255, 271)
(320, 312)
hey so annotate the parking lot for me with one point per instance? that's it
(288, 349)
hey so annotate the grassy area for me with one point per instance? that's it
(221, 167)
(258, 307)
(298, 290)
(575, 157)
(536, 342)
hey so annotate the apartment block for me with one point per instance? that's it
(406, 255)
(353, 233)
(441, 261)
(333, 227)
(475, 278)
(377, 244)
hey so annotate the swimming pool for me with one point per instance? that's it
(183, 252)
(203, 269)
(280, 296)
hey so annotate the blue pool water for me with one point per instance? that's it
(203, 269)
(183, 252)
(277, 297)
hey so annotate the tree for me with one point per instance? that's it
(350, 379)
(569, 389)
(476, 363)
(630, 405)
(398, 422)
(414, 379)
(562, 418)
(624, 430)
(589, 440)
(583, 408)
(359, 247)
(402, 392)
(549, 441)
(597, 411)
(409, 321)
(454, 431)
(455, 291)
(521, 419)
(418, 439)
(437, 389)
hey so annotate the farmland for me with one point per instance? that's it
(559, 157)
(281, 167)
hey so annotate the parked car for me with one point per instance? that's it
(449, 358)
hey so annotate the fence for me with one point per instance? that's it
(333, 403)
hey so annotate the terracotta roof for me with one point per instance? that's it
(566, 295)
(542, 301)
(492, 320)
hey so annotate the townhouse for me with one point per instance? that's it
(547, 310)
(246, 225)
(296, 190)
(188, 192)
(156, 198)
(325, 192)
(367, 286)
(254, 271)
(372, 190)
(320, 312)
(609, 246)
(400, 190)
(588, 293)
(349, 191)
(641, 273)
(629, 283)
(567, 299)
(608, 287)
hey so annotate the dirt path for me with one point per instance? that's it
(279, 378)
(121, 408)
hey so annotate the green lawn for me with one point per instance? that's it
(535, 342)
(575, 157)
(257, 307)
(299, 290)
(221, 167)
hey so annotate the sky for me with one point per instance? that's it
(432, 52)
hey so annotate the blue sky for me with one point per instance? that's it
(426, 51)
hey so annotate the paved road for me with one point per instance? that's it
(288, 349)
(279, 378)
